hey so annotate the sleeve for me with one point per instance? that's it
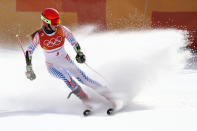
(70, 38)
(34, 43)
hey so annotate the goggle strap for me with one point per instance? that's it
(46, 20)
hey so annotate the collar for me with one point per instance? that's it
(47, 31)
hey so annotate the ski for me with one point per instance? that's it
(86, 112)
(110, 111)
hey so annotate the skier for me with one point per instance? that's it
(51, 37)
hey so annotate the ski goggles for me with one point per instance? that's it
(51, 22)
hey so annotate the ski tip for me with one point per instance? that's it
(87, 112)
(110, 111)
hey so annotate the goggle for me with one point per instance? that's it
(51, 22)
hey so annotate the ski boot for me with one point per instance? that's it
(112, 105)
(84, 98)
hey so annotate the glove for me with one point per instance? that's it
(30, 73)
(80, 57)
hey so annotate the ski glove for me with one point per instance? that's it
(80, 57)
(30, 73)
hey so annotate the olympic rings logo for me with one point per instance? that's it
(53, 42)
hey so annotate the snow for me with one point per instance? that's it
(150, 72)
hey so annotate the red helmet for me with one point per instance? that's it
(50, 16)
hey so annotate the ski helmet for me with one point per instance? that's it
(50, 16)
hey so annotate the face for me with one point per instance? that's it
(54, 27)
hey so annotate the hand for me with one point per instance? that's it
(80, 57)
(30, 73)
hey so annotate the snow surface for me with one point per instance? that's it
(148, 70)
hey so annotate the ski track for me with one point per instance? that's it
(147, 70)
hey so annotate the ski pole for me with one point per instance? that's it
(96, 72)
(20, 44)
